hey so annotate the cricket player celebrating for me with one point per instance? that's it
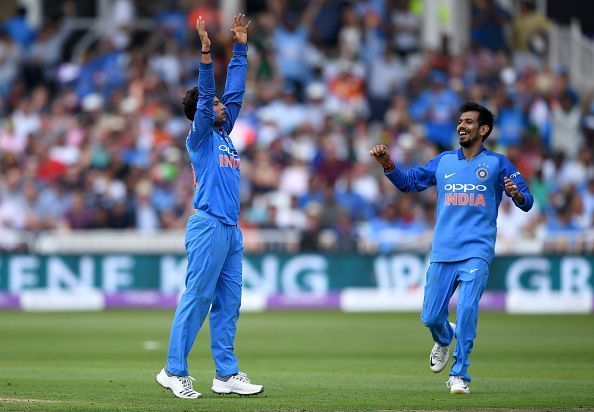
(470, 182)
(214, 243)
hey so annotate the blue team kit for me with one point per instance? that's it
(213, 239)
(468, 196)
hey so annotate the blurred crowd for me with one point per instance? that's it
(94, 139)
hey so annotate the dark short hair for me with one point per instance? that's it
(189, 103)
(485, 117)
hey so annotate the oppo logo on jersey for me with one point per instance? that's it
(453, 198)
(228, 150)
(464, 187)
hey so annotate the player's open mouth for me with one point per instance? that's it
(462, 132)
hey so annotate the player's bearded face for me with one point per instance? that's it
(220, 114)
(468, 129)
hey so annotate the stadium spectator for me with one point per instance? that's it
(435, 108)
(19, 30)
(489, 21)
(406, 26)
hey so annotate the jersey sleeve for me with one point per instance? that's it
(204, 117)
(416, 179)
(235, 85)
(507, 169)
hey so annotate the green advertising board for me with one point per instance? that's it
(283, 273)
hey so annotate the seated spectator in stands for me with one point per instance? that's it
(513, 226)
(382, 234)
(310, 237)
(293, 179)
(346, 91)
(330, 165)
(291, 216)
(146, 216)
(510, 122)
(315, 191)
(341, 237)
(13, 220)
(285, 111)
(357, 208)
(563, 233)
(410, 216)
(264, 174)
(79, 215)
(541, 189)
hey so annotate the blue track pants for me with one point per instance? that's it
(213, 278)
(442, 280)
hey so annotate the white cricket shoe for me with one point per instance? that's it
(457, 385)
(440, 355)
(438, 359)
(181, 386)
(238, 384)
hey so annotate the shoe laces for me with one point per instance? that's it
(242, 376)
(440, 354)
(454, 380)
(186, 382)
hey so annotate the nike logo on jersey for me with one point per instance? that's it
(447, 176)
(473, 270)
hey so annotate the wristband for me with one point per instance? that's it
(390, 167)
(205, 52)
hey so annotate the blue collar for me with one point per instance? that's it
(461, 155)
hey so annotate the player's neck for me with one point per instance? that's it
(471, 152)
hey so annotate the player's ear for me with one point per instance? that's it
(483, 130)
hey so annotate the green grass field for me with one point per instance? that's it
(307, 361)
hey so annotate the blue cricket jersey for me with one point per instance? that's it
(215, 162)
(468, 197)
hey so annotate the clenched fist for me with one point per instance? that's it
(512, 190)
(382, 155)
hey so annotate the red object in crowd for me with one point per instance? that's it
(50, 171)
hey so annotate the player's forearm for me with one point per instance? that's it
(204, 117)
(399, 178)
(236, 75)
(206, 87)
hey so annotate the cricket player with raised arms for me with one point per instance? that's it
(470, 183)
(214, 243)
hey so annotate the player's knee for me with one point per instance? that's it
(431, 320)
(195, 295)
